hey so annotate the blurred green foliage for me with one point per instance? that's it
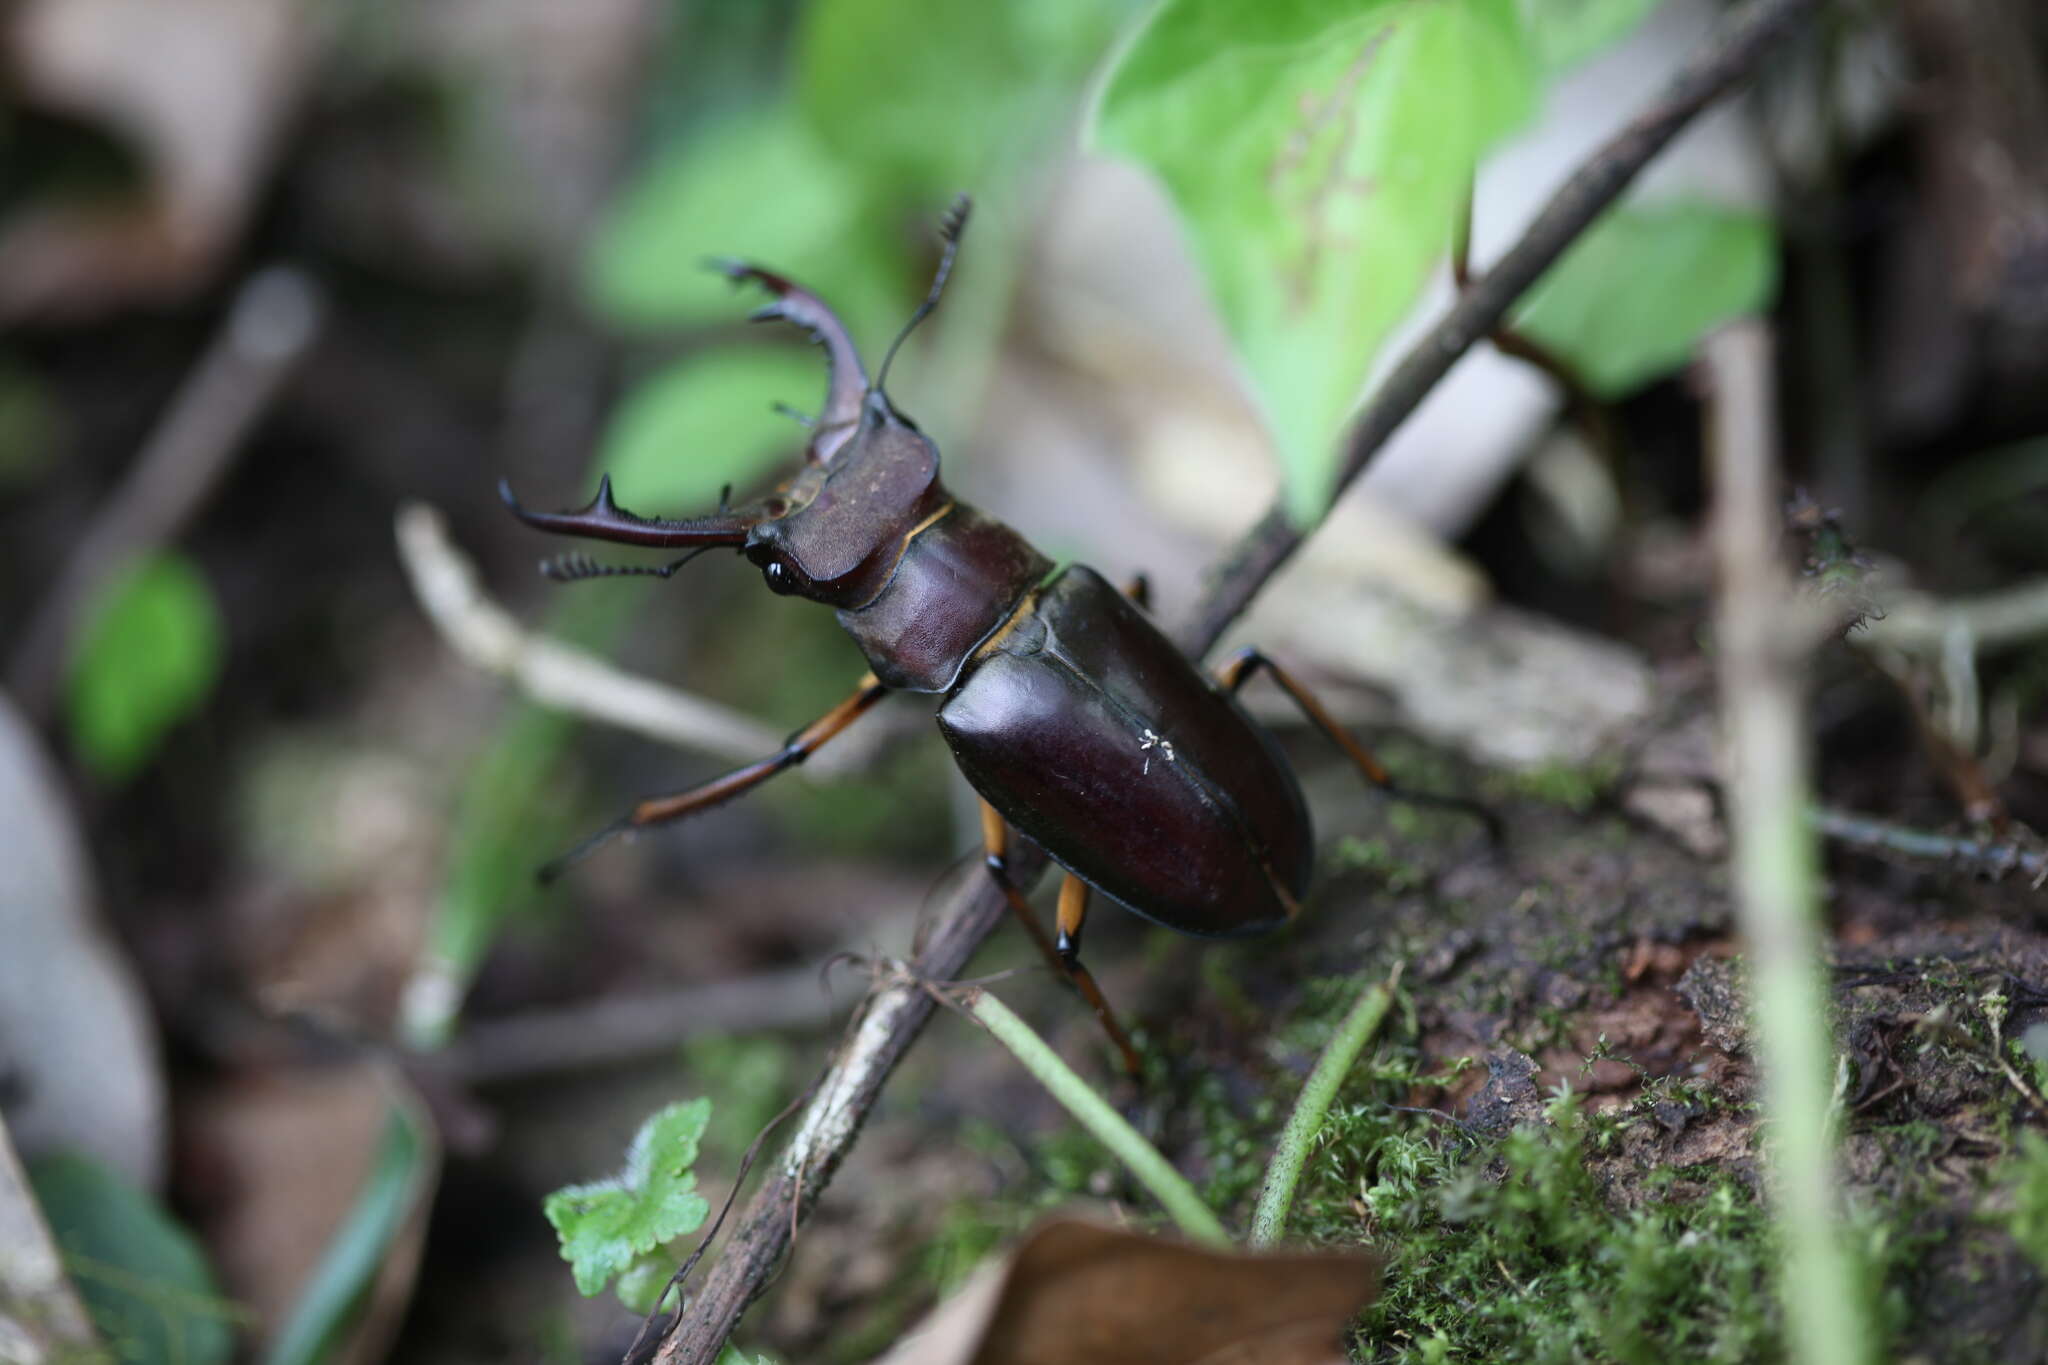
(706, 421)
(2026, 1176)
(143, 1277)
(147, 654)
(1631, 298)
(30, 426)
(331, 1302)
(1569, 31)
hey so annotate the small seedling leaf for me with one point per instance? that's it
(1319, 154)
(607, 1225)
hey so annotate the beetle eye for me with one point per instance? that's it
(778, 576)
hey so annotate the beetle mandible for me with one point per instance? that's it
(1076, 721)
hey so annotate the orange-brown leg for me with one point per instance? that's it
(1064, 956)
(660, 810)
(1235, 671)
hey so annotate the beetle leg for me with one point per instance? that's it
(1065, 955)
(659, 810)
(1235, 671)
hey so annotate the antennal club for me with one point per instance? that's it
(950, 228)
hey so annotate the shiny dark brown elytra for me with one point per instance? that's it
(1076, 720)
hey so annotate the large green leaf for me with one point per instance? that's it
(146, 657)
(1319, 152)
(754, 184)
(608, 1226)
(708, 421)
(143, 1277)
(1632, 297)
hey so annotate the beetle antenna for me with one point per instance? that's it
(950, 228)
(552, 870)
(575, 567)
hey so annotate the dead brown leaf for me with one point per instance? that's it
(1080, 1293)
(199, 90)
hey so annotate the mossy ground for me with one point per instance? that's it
(1554, 1141)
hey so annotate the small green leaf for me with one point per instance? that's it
(606, 1226)
(146, 657)
(755, 184)
(1566, 32)
(1319, 153)
(707, 421)
(1632, 298)
(143, 1277)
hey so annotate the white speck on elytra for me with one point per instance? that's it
(1150, 742)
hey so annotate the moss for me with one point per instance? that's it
(1576, 788)
(1376, 859)
(1508, 1249)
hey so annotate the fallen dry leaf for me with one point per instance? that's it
(199, 90)
(1079, 1293)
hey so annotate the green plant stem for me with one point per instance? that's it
(1775, 860)
(1154, 1172)
(1283, 1174)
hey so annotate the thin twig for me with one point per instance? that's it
(1581, 199)
(274, 320)
(877, 1040)
(895, 1016)
(623, 1028)
(1992, 858)
(1775, 862)
(554, 674)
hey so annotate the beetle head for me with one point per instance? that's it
(835, 531)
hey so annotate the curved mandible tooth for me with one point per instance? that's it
(603, 519)
(846, 379)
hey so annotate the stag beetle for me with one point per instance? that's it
(1072, 716)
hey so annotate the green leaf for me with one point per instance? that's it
(933, 96)
(332, 1300)
(143, 1278)
(754, 184)
(1566, 32)
(1631, 299)
(146, 657)
(707, 421)
(606, 1226)
(1319, 152)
